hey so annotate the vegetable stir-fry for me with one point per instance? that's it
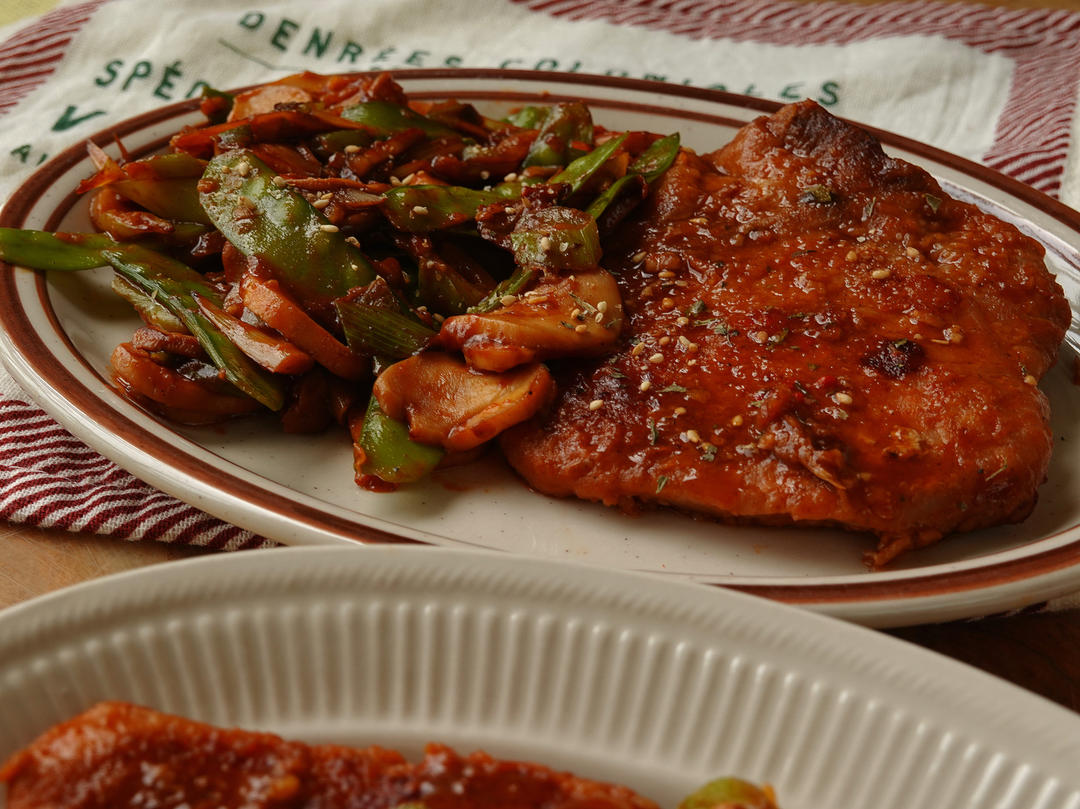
(325, 249)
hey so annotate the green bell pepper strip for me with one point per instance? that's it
(556, 238)
(163, 279)
(650, 164)
(387, 117)
(424, 208)
(565, 124)
(390, 454)
(380, 331)
(578, 172)
(279, 226)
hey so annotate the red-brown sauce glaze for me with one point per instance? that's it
(119, 755)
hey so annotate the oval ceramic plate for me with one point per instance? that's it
(657, 684)
(58, 331)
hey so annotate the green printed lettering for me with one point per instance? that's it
(22, 152)
(110, 73)
(384, 54)
(654, 77)
(830, 94)
(721, 87)
(318, 43)
(452, 61)
(351, 51)
(751, 90)
(574, 68)
(171, 72)
(141, 70)
(546, 64)
(70, 119)
(508, 62)
(416, 58)
(793, 92)
(252, 20)
(286, 28)
(614, 71)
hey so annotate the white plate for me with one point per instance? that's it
(657, 684)
(57, 335)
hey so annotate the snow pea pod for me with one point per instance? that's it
(565, 124)
(424, 208)
(388, 453)
(388, 117)
(278, 225)
(649, 165)
(580, 170)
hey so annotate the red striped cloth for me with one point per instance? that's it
(48, 478)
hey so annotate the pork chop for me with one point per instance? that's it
(816, 334)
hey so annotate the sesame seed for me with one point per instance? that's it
(545, 243)
(683, 321)
(692, 436)
(328, 228)
(665, 274)
(637, 258)
(576, 313)
(599, 317)
(352, 148)
(511, 177)
(1030, 380)
(647, 291)
(691, 347)
(637, 349)
(485, 174)
(761, 336)
(878, 275)
(841, 397)
(419, 209)
(691, 362)
(437, 317)
(700, 220)
(601, 307)
(355, 242)
(656, 358)
(737, 421)
(581, 329)
(243, 168)
(667, 303)
(320, 203)
(679, 411)
(645, 385)
(278, 180)
(395, 180)
(664, 340)
(596, 404)
(506, 300)
(683, 341)
(852, 255)
(326, 195)
(911, 252)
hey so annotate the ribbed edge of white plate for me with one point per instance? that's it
(616, 675)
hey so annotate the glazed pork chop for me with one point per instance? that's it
(816, 334)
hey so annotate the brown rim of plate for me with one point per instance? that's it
(25, 339)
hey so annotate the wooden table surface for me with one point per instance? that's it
(1040, 652)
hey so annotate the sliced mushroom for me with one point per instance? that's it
(448, 404)
(577, 315)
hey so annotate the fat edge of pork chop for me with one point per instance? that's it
(817, 334)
